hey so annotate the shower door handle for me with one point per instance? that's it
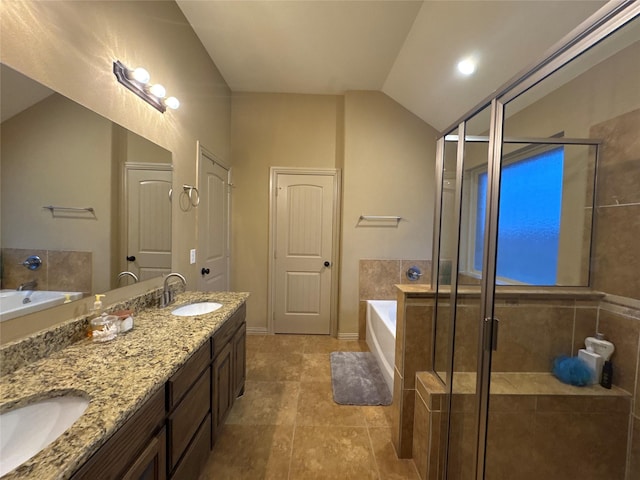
(491, 334)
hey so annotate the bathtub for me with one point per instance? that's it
(381, 335)
(11, 305)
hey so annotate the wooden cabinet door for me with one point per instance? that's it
(185, 420)
(129, 444)
(239, 360)
(151, 464)
(222, 386)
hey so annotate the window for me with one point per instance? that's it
(529, 218)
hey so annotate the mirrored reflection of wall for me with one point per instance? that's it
(59, 153)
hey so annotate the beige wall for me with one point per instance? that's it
(70, 47)
(382, 149)
(45, 153)
(269, 130)
(389, 167)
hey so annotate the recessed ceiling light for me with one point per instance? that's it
(467, 66)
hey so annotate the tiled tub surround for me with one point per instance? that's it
(118, 377)
(538, 428)
(414, 343)
(61, 270)
(377, 280)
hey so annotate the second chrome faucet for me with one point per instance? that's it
(167, 295)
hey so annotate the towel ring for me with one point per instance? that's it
(189, 189)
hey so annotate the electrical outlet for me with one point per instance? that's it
(192, 256)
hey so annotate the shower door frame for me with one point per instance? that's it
(604, 22)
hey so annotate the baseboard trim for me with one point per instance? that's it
(348, 336)
(257, 331)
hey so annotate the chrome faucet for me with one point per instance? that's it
(130, 274)
(27, 297)
(167, 295)
(31, 285)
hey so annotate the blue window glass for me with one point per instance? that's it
(529, 218)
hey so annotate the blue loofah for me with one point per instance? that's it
(572, 370)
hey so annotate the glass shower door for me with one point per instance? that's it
(459, 317)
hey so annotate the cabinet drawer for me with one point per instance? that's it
(126, 444)
(196, 455)
(182, 380)
(223, 336)
(188, 415)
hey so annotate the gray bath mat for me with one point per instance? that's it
(357, 380)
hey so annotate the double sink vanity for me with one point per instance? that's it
(149, 404)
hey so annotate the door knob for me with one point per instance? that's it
(131, 258)
(204, 271)
(327, 264)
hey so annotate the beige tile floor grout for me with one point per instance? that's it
(287, 426)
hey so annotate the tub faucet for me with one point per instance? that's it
(31, 285)
(167, 295)
(27, 297)
(130, 274)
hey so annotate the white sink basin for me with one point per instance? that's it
(27, 430)
(194, 309)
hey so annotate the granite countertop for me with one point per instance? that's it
(117, 377)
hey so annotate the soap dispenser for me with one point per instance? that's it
(97, 305)
(599, 345)
(103, 327)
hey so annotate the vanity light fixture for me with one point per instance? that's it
(137, 80)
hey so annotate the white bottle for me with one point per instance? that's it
(594, 362)
(599, 345)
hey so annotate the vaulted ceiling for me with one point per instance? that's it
(407, 49)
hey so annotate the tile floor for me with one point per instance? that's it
(287, 426)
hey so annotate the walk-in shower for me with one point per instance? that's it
(535, 249)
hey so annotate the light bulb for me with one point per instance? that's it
(466, 66)
(141, 75)
(172, 102)
(157, 90)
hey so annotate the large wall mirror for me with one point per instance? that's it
(82, 200)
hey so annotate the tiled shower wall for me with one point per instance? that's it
(377, 280)
(533, 331)
(616, 255)
(61, 270)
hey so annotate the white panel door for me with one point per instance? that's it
(303, 253)
(213, 225)
(148, 222)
